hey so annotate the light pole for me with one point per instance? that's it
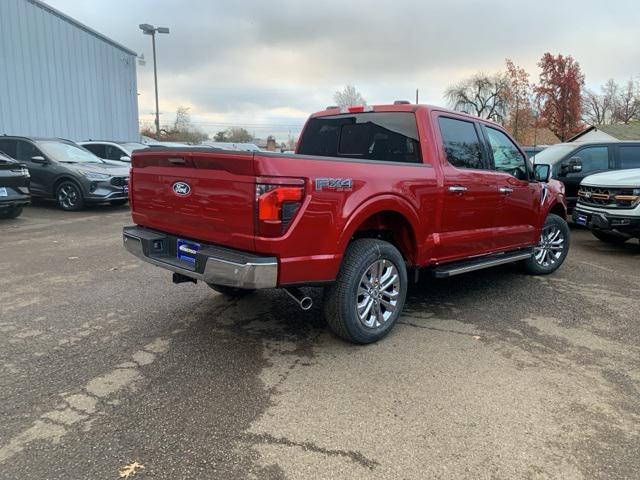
(151, 30)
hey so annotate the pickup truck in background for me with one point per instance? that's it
(372, 196)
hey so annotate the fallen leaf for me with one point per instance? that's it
(130, 470)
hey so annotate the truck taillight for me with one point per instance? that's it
(276, 206)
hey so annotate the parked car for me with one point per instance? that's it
(572, 162)
(609, 205)
(113, 151)
(372, 194)
(14, 187)
(71, 175)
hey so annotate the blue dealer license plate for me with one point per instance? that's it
(581, 220)
(187, 251)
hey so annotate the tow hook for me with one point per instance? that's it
(300, 298)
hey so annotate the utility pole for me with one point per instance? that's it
(417, 95)
(151, 30)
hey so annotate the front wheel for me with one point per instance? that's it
(367, 298)
(69, 196)
(552, 247)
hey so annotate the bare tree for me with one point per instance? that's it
(486, 96)
(615, 104)
(596, 108)
(627, 104)
(348, 97)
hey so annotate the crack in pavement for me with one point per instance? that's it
(352, 455)
(411, 324)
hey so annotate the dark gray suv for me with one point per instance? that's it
(70, 174)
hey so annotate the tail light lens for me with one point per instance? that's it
(276, 206)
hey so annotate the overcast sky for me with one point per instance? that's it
(268, 64)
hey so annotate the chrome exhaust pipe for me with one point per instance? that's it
(300, 298)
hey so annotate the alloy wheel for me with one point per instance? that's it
(378, 293)
(550, 247)
(68, 196)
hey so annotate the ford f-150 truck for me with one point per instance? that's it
(372, 196)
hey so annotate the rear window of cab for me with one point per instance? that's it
(383, 136)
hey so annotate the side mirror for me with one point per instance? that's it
(39, 159)
(571, 165)
(125, 158)
(542, 172)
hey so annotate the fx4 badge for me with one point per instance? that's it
(338, 184)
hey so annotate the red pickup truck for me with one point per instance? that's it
(372, 196)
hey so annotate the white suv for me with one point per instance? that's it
(609, 204)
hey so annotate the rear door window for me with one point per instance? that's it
(461, 143)
(383, 136)
(629, 156)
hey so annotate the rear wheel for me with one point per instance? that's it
(230, 291)
(117, 203)
(607, 237)
(11, 212)
(367, 298)
(69, 196)
(552, 248)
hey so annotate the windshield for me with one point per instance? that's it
(131, 146)
(553, 154)
(67, 152)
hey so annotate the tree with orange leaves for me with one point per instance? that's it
(559, 94)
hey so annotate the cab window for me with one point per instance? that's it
(27, 150)
(113, 153)
(96, 148)
(506, 156)
(593, 159)
(461, 143)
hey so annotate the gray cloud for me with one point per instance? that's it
(256, 59)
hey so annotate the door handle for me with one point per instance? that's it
(457, 189)
(505, 190)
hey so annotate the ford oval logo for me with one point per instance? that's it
(181, 188)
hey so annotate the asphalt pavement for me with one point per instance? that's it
(495, 374)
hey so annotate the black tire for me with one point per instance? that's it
(545, 264)
(118, 203)
(609, 237)
(230, 291)
(341, 299)
(69, 196)
(11, 212)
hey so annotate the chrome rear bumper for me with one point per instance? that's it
(213, 264)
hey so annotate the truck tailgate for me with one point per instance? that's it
(205, 195)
